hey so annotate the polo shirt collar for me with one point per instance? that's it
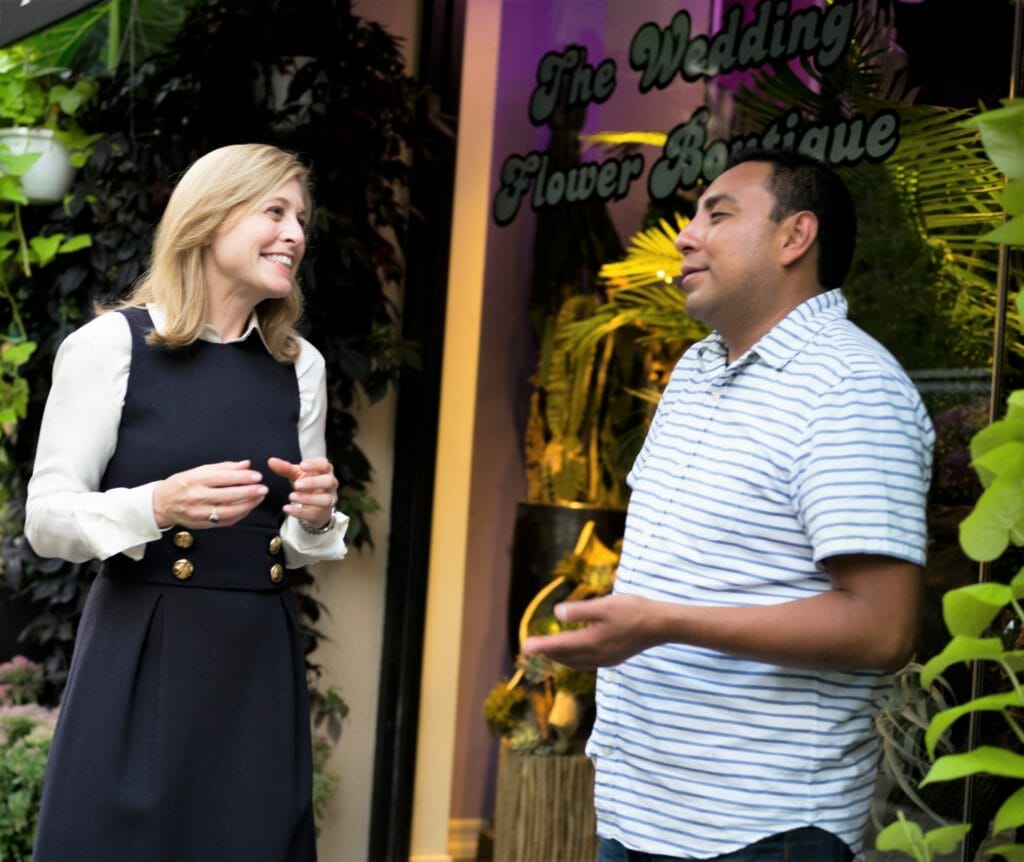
(790, 335)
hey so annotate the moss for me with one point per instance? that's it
(504, 708)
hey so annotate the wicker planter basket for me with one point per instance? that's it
(544, 811)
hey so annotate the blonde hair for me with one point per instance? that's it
(205, 196)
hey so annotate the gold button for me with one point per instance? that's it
(275, 545)
(276, 573)
(182, 569)
(183, 539)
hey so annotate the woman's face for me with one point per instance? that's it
(256, 253)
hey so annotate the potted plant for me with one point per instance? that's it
(985, 620)
(48, 98)
(42, 143)
(543, 714)
(26, 730)
(40, 146)
(585, 421)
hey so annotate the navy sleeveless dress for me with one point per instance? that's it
(184, 729)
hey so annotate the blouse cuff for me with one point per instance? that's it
(304, 549)
(125, 525)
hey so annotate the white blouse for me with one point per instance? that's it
(66, 516)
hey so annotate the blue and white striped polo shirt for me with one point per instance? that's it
(814, 443)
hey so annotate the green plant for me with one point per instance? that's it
(585, 423)
(546, 707)
(21, 681)
(38, 96)
(924, 211)
(325, 782)
(359, 137)
(157, 114)
(901, 725)
(49, 97)
(101, 37)
(24, 746)
(907, 837)
(604, 360)
(26, 730)
(643, 299)
(986, 619)
(328, 711)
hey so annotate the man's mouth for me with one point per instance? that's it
(687, 272)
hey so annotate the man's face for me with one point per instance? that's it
(729, 250)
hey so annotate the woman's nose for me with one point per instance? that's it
(293, 230)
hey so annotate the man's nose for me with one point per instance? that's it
(685, 242)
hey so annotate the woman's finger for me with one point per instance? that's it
(190, 497)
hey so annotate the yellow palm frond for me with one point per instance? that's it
(651, 259)
(642, 293)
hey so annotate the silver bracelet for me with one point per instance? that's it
(318, 531)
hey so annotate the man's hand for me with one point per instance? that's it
(867, 621)
(615, 628)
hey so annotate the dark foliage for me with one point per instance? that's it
(350, 112)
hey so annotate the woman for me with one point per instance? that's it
(183, 443)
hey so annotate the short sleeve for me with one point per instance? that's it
(863, 468)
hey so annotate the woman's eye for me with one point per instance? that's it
(276, 211)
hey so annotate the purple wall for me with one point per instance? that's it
(531, 28)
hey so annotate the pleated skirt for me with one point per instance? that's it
(183, 732)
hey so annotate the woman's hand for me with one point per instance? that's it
(314, 489)
(211, 495)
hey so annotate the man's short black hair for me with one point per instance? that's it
(801, 182)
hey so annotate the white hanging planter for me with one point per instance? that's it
(49, 179)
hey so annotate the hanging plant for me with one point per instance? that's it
(38, 129)
(357, 136)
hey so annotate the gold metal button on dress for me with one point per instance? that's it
(184, 539)
(182, 569)
(275, 545)
(276, 573)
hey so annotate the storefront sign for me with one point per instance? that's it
(689, 154)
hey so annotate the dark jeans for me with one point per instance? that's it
(807, 844)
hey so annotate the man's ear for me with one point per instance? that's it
(797, 233)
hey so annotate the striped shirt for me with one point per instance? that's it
(813, 443)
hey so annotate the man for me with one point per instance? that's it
(771, 565)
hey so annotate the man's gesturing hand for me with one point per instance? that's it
(615, 628)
